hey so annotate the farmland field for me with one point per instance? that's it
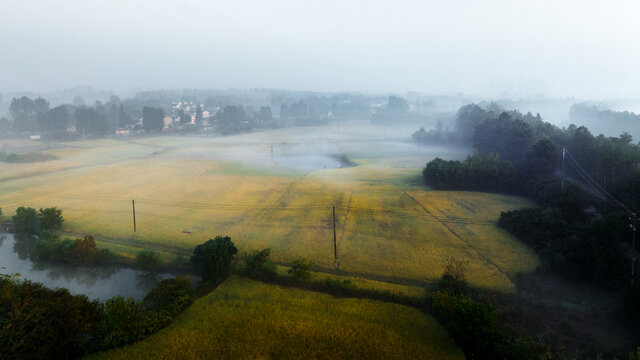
(189, 189)
(243, 319)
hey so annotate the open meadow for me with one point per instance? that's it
(244, 319)
(276, 189)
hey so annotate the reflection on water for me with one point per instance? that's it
(97, 282)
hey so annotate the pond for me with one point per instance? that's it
(97, 282)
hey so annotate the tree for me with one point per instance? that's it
(184, 117)
(396, 103)
(50, 218)
(121, 322)
(83, 251)
(25, 221)
(55, 121)
(258, 266)
(511, 139)
(40, 323)
(152, 119)
(265, 114)
(5, 124)
(232, 120)
(124, 119)
(148, 260)
(89, 121)
(443, 174)
(542, 159)
(199, 116)
(467, 118)
(213, 258)
(23, 112)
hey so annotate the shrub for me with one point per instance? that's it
(474, 325)
(213, 258)
(40, 323)
(121, 322)
(453, 275)
(83, 251)
(301, 269)
(148, 260)
(336, 287)
(171, 296)
(25, 221)
(258, 266)
(105, 257)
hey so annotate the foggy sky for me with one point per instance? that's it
(561, 48)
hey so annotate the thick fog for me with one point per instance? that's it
(582, 49)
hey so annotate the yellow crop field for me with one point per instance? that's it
(189, 189)
(244, 319)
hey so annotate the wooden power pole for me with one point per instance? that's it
(335, 245)
(133, 203)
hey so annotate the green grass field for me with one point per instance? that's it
(243, 319)
(189, 189)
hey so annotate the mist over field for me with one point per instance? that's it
(319, 179)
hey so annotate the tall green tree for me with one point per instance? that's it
(152, 119)
(199, 116)
(25, 221)
(50, 218)
(124, 119)
(89, 121)
(55, 121)
(23, 112)
(213, 258)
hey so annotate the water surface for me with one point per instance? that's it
(97, 282)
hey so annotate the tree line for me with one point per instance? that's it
(577, 234)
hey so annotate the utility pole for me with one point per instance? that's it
(564, 151)
(335, 246)
(133, 203)
(271, 152)
(633, 232)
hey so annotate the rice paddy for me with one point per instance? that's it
(243, 319)
(189, 189)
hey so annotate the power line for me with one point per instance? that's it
(281, 208)
(599, 187)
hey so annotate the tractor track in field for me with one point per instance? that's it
(279, 201)
(458, 236)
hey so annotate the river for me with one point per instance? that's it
(97, 282)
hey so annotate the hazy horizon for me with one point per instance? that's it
(578, 49)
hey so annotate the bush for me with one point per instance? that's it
(25, 221)
(339, 288)
(105, 257)
(453, 276)
(301, 269)
(40, 323)
(258, 266)
(473, 325)
(121, 322)
(148, 260)
(171, 296)
(83, 251)
(213, 258)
